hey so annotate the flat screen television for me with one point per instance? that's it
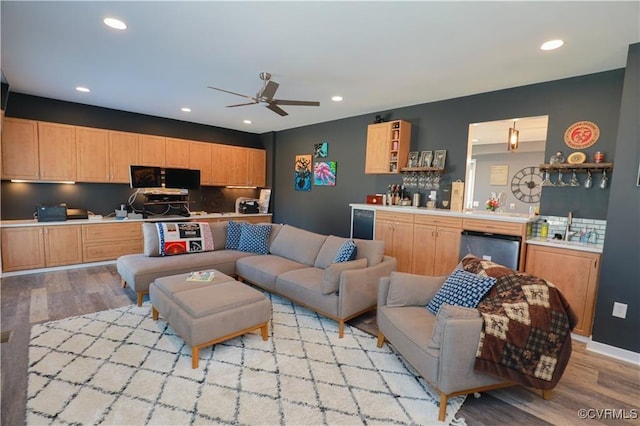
(181, 178)
(145, 177)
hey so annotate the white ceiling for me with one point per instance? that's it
(377, 55)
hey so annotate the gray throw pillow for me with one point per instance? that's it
(331, 276)
(411, 290)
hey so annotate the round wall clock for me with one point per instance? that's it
(526, 184)
(581, 135)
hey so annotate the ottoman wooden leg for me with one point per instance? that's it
(123, 283)
(154, 313)
(380, 339)
(140, 298)
(195, 356)
(265, 331)
(341, 329)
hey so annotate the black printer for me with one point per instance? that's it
(249, 207)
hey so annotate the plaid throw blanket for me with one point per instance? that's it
(527, 324)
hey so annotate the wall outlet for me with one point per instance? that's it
(476, 203)
(619, 310)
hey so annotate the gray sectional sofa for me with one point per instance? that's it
(299, 266)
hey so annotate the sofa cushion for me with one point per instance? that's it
(304, 286)
(372, 250)
(219, 234)
(461, 288)
(254, 238)
(411, 290)
(346, 252)
(234, 231)
(331, 276)
(263, 270)
(449, 311)
(297, 244)
(328, 251)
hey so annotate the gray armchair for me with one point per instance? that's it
(441, 348)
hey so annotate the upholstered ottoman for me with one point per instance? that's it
(206, 313)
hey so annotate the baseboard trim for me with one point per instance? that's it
(56, 268)
(614, 352)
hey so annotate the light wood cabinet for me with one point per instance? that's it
(387, 147)
(220, 164)
(257, 167)
(575, 273)
(20, 158)
(396, 230)
(200, 159)
(108, 241)
(32, 247)
(152, 150)
(57, 151)
(239, 165)
(92, 154)
(177, 153)
(124, 149)
(436, 244)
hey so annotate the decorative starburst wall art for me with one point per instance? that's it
(324, 173)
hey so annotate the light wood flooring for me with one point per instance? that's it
(591, 381)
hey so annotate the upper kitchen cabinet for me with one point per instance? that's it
(387, 147)
(152, 150)
(92, 153)
(177, 153)
(57, 151)
(20, 149)
(257, 169)
(124, 151)
(200, 159)
(221, 166)
(239, 165)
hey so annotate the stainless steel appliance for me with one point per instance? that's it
(498, 248)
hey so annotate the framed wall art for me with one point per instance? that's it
(426, 157)
(324, 173)
(413, 159)
(439, 159)
(302, 173)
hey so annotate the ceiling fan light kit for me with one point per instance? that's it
(265, 96)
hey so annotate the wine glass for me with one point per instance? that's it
(560, 182)
(604, 180)
(546, 181)
(574, 179)
(588, 182)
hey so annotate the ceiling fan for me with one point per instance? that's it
(265, 96)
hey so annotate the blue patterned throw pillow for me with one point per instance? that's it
(461, 288)
(254, 238)
(234, 229)
(346, 252)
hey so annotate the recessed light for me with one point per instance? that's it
(551, 44)
(114, 23)
(82, 89)
(185, 109)
(336, 98)
(247, 121)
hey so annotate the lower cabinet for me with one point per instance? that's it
(396, 230)
(108, 241)
(436, 244)
(32, 247)
(575, 273)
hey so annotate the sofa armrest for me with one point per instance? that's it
(460, 338)
(383, 291)
(359, 287)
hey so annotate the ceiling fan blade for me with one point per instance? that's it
(275, 108)
(269, 90)
(233, 93)
(288, 102)
(237, 105)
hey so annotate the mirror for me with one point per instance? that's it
(511, 176)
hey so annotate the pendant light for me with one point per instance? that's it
(513, 139)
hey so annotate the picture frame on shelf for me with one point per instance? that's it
(439, 159)
(426, 157)
(413, 159)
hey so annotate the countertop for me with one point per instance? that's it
(112, 219)
(571, 245)
(475, 214)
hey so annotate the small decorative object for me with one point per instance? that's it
(320, 150)
(378, 119)
(425, 158)
(598, 157)
(581, 134)
(324, 173)
(492, 204)
(302, 173)
(439, 159)
(557, 158)
(577, 158)
(413, 159)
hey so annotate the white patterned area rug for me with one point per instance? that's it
(120, 367)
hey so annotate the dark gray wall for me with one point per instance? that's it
(19, 200)
(620, 272)
(444, 125)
